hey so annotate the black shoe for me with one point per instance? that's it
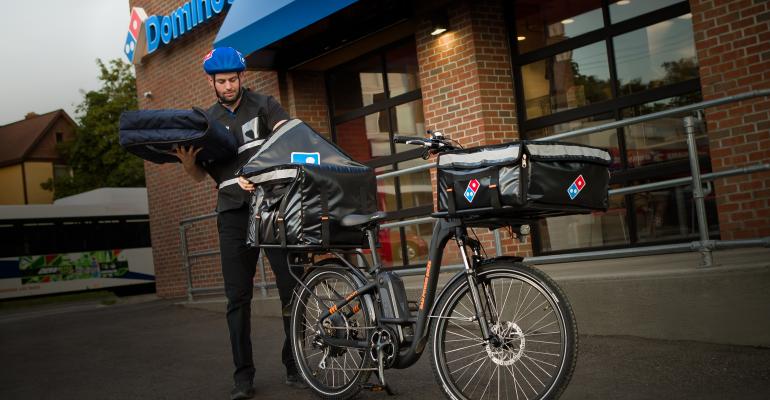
(242, 391)
(294, 380)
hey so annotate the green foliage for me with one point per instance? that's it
(96, 158)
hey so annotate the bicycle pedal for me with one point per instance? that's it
(373, 387)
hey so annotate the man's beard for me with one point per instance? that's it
(226, 102)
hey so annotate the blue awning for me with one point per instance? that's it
(251, 25)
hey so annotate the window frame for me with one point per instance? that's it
(614, 106)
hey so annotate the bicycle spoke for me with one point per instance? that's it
(457, 325)
(538, 362)
(533, 310)
(505, 301)
(466, 337)
(540, 327)
(469, 355)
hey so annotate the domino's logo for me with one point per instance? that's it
(471, 190)
(147, 34)
(305, 158)
(576, 187)
(135, 47)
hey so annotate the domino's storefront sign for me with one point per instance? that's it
(147, 34)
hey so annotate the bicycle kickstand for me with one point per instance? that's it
(380, 375)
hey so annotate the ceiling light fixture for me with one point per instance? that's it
(440, 24)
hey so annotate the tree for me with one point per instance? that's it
(96, 158)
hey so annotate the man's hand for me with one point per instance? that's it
(187, 157)
(245, 184)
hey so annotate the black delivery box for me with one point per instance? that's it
(523, 179)
(305, 185)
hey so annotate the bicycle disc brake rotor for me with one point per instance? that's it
(512, 343)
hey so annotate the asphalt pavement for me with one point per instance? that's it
(161, 350)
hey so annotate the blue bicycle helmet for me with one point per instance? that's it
(223, 59)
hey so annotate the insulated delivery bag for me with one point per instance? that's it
(523, 179)
(153, 135)
(305, 185)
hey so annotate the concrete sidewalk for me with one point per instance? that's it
(658, 297)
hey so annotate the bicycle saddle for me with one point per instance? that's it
(360, 219)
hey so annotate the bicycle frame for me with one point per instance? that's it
(443, 230)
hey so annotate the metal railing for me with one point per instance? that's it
(704, 245)
(184, 224)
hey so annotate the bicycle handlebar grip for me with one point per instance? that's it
(405, 139)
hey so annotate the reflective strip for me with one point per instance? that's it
(273, 175)
(283, 129)
(561, 150)
(496, 155)
(228, 182)
(277, 134)
(250, 144)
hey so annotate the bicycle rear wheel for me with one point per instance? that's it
(333, 372)
(536, 330)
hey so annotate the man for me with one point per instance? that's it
(250, 117)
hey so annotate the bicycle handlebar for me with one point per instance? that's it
(436, 143)
(408, 139)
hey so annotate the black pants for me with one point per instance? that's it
(239, 263)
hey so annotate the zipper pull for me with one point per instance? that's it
(524, 160)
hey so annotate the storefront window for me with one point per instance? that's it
(542, 23)
(568, 80)
(660, 140)
(632, 66)
(655, 56)
(621, 10)
(586, 230)
(374, 98)
(362, 139)
(402, 69)
(607, 140)
(669, 214)
(357, 85)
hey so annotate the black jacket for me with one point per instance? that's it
(251, 123)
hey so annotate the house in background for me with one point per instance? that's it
(28, 156)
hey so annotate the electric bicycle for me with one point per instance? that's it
(499, 329)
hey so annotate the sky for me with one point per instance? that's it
(49, 50)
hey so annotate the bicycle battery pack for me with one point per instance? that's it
(393, 297)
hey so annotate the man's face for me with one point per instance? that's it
(227, 86)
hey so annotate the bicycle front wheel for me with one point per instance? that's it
(536, 347)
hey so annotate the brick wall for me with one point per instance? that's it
(731, 39)
(467, 88)
(307, 100)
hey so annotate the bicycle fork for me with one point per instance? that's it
(473, 284)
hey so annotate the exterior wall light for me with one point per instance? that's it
(440, 24)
